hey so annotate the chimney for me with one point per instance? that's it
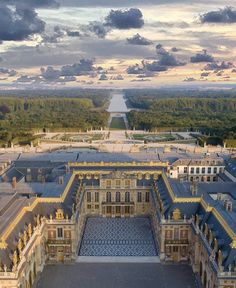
(61, 180)
(14, 182)
(194, 188)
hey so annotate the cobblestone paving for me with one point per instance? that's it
(116, 275)
(118, 237)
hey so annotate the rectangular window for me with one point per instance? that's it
(59, 233)
(215, 170)
(168, 234)
(183, 234)
(192, 170)
(89, 197)
(203, 170)
(96, 196)
(127, 209)
(108, 184)
(118, 183)
(175, 249)
(127, 183)
(209, 170)
(185, 169)
(139, 197)
(147, 197)
(176, 233)
(197, 170)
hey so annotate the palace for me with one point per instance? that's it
(59, 211)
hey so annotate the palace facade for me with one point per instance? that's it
(46, 207)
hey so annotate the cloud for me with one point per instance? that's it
(19, 23)
(98, 28)
(33, 3)
(154, 66)
(218, 66)
(27, 79)
(165, 58)
(117, 78)
(189, 79)
(73, 33)
(226, 15)
(202, 57)
(50, 74)
(10, 72)
(83, 67)
(205, 74)
(125, 19)
(138, 40)
(135, 69)
(174, 49)
(54, 37)
(103, 77)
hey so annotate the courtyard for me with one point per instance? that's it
(129, 237)
(117, 275)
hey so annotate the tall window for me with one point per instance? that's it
(209, 170)
(215, 170)
(108, 184)
(118, 183)
(197, 170)
(89, 197)
(96, 196)
(59, 233)
(117, 196)
(127, 183)
(203, 170)
(109, 197)
(185, 169)
(147, 197)
(192, 170)
(127, 197)
(139, 197)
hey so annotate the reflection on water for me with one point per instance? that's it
(117, 103)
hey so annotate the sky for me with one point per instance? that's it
(125, 43)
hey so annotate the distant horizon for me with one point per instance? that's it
(70, 43)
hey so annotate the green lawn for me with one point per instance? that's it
(117, 123)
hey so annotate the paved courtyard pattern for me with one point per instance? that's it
(117, 275)
(118, 237)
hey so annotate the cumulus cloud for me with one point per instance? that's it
(27, 79)
(135, 69)
(165, 58)
(73, 33)
(53, 37)
(83, 67)
(218, 66)
(103, 77)
(189, 79)
(67, 72)
(98, 28)
(117, 77)
(10, 72)
(205, 74)
(19, 23)
(202, 57)
(138, 40)
(125, 19)
(226, 15)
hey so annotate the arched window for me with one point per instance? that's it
(117, 196)
(127, 197)
(109, 197)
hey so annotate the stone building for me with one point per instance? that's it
(44, 223)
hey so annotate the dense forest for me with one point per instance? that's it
(99, 97)
(21, 117)
(213, 114)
